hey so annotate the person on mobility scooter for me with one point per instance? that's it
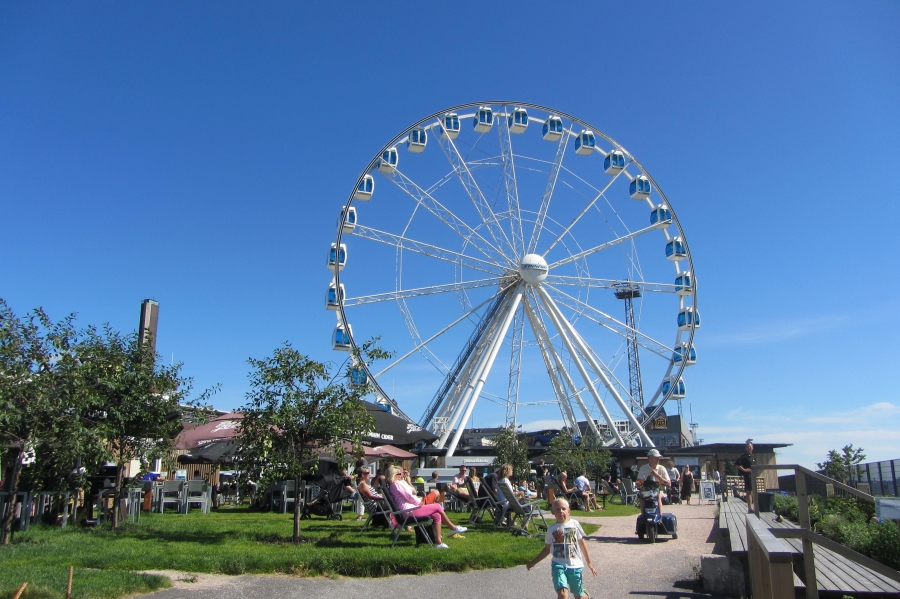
(651, 521)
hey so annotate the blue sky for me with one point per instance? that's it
(199, 154)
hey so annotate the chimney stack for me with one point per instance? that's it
(149, 318)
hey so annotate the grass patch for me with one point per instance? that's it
(49, 582)
(611, 511)
(238, 541)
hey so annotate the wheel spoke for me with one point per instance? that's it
(594, 283)
(512, 190)
(426, 249)
(581, 214)
(474, 192)
(515, 366)
(559, 322)
(446, 216)
(556, 371)
(607, 245)
(600, 371)
(608, 322)
(484, 369)
(435, 336)
(408, 293)
(548, 194)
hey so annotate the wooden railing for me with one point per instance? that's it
(771, 568)
(809, 537)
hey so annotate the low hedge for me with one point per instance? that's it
(849, 522)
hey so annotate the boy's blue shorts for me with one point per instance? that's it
(567, 578)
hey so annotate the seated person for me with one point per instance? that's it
(568, 491)
(458, 486)
(503, 473)
(654, 471)
(368, 494)
(405, 497)
(583, 488)
(434, 477)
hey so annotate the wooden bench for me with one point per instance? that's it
(834, 573)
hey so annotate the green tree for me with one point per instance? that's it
(511, 448)
(38, 393)
(587, 456)
(295, 411)
(135, 400)
(840, 465)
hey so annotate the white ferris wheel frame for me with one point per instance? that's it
(496, 258)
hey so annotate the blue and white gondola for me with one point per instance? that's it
(518, 121)
(553, 128)
(387, 164)
(484, 119)
(366, 189)
(337, 258)
(639, 188)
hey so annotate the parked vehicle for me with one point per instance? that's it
(651, 521)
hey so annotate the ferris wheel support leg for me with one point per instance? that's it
(586, 353)
(556, 373)
(455, 403)
(558, 320)
(486, 367)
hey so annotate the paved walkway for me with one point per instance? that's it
(628, 568)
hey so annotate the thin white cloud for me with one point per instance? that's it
(812, 436)
(773, 331)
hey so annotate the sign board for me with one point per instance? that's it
(661, 422)
(687, 461)
(887, 508)
(181, 475)
(707, 490)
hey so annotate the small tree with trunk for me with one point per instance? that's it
(38, 394)
(134, 398)
(588, 456)
(511, 447)
(295, 412)
(841, 465)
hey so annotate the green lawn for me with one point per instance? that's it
(237, 541)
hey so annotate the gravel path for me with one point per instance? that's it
(628, 568)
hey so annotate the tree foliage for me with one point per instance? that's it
(588, 456)
(841, 465)
(295, 411)
(134, 399)
(38, 385)
(87, 396)
(511, 447)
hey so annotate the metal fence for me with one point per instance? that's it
(882, 477)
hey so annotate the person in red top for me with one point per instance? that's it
(405, 497)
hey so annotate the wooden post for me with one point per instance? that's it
(21, 590)
(809, 560)
(551, 496)
(69, 584)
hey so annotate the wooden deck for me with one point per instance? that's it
(834, 573)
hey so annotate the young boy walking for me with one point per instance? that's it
(565, 541)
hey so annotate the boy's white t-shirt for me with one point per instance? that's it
(565, 550)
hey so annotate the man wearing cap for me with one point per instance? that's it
(654, 471)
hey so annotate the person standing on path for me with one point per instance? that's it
(565, 542)
(687, 485)
(744, 463)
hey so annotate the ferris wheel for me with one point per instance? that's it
(524, 267)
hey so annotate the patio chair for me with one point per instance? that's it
(572, 497)
(375, 508)
(172, 492)
(286, 493)
(404, 518)
(197, 492)
(478, 505)
(629, 493)
(522, 510)
(494, 506)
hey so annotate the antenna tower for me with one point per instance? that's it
(628, 291)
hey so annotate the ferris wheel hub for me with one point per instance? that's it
(533, 268)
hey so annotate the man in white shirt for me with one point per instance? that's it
(653, 471)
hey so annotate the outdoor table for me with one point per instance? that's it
(603, 494)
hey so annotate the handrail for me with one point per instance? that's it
(815, 475)
(806, 535)
(771, 562)
(868, 562)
